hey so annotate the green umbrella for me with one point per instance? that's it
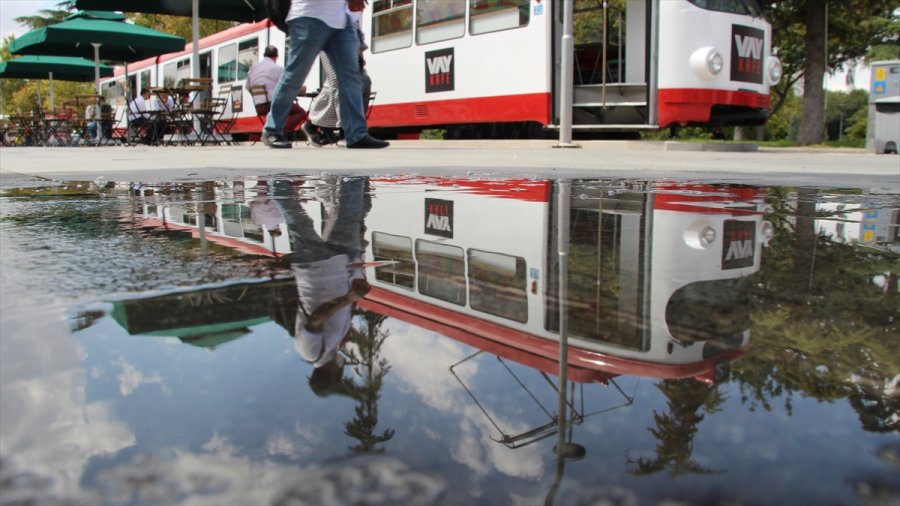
(205, 317)
(65, 68)
(243, 11)
(99, 35)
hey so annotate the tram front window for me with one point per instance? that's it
(709, 309)
(747, 7)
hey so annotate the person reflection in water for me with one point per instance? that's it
(328, 271)
(264, 211)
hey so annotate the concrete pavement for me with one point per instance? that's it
(614, 159)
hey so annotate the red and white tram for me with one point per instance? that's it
(657, 275)
(492, 67)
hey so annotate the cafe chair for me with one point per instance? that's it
(259, 90)
(227, 116)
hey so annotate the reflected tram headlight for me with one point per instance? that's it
(707, 236)
(775, 70)
(707, 62)
(766, 232)
(700, 235)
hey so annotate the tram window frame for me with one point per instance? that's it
(441, 270)
(477, 18)
(399, 37)
(394, 248)
(495, 292)
(442, 26)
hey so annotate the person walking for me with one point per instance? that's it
(313, 26)
(266, 73)
(324, 112)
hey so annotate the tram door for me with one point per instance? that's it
(610, 63)
(608, 271)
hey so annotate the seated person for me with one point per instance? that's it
(267, 73)
(142, 118)
(99, 115)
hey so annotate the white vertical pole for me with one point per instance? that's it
(195, 28)
(96, 65)
(566, 77)
(50, 77)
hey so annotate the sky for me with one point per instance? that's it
(11, 9)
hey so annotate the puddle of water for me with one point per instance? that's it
(395, 340)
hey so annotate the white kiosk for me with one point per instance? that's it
(883, 132)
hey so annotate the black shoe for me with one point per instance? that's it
(369, 142)
(275, 140)
(312, 134)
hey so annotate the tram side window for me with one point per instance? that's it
(237, 222)
(113, 91)
(248, 55)
(498, 285)
(174, 72)
(227, 63)
(391, 25)
(442, 271)
(494, 15)
(235, 60)
(398, 251)
(145, 80)
(438, 20)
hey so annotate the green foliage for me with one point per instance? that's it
(858, 124)
(840, 108)
(23, 94)
(433, 134)
(180, 25)
(823, 319)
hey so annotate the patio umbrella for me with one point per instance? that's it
(243, 11)
(65, 68)
(99, 35)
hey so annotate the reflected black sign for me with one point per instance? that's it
(439, 217)
(738, 245)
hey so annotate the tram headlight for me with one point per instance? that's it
(707, 62)
(775, 70)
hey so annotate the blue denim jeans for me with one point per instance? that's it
(308, 37)
(339, 234)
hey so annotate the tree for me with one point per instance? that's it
(814, 36)
(47, 17)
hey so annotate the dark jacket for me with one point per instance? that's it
(278, 11)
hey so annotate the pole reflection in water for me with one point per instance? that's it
(564, 449)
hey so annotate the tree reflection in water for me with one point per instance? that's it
(688, 401)
(371, 368)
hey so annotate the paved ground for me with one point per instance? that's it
(633, 159)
